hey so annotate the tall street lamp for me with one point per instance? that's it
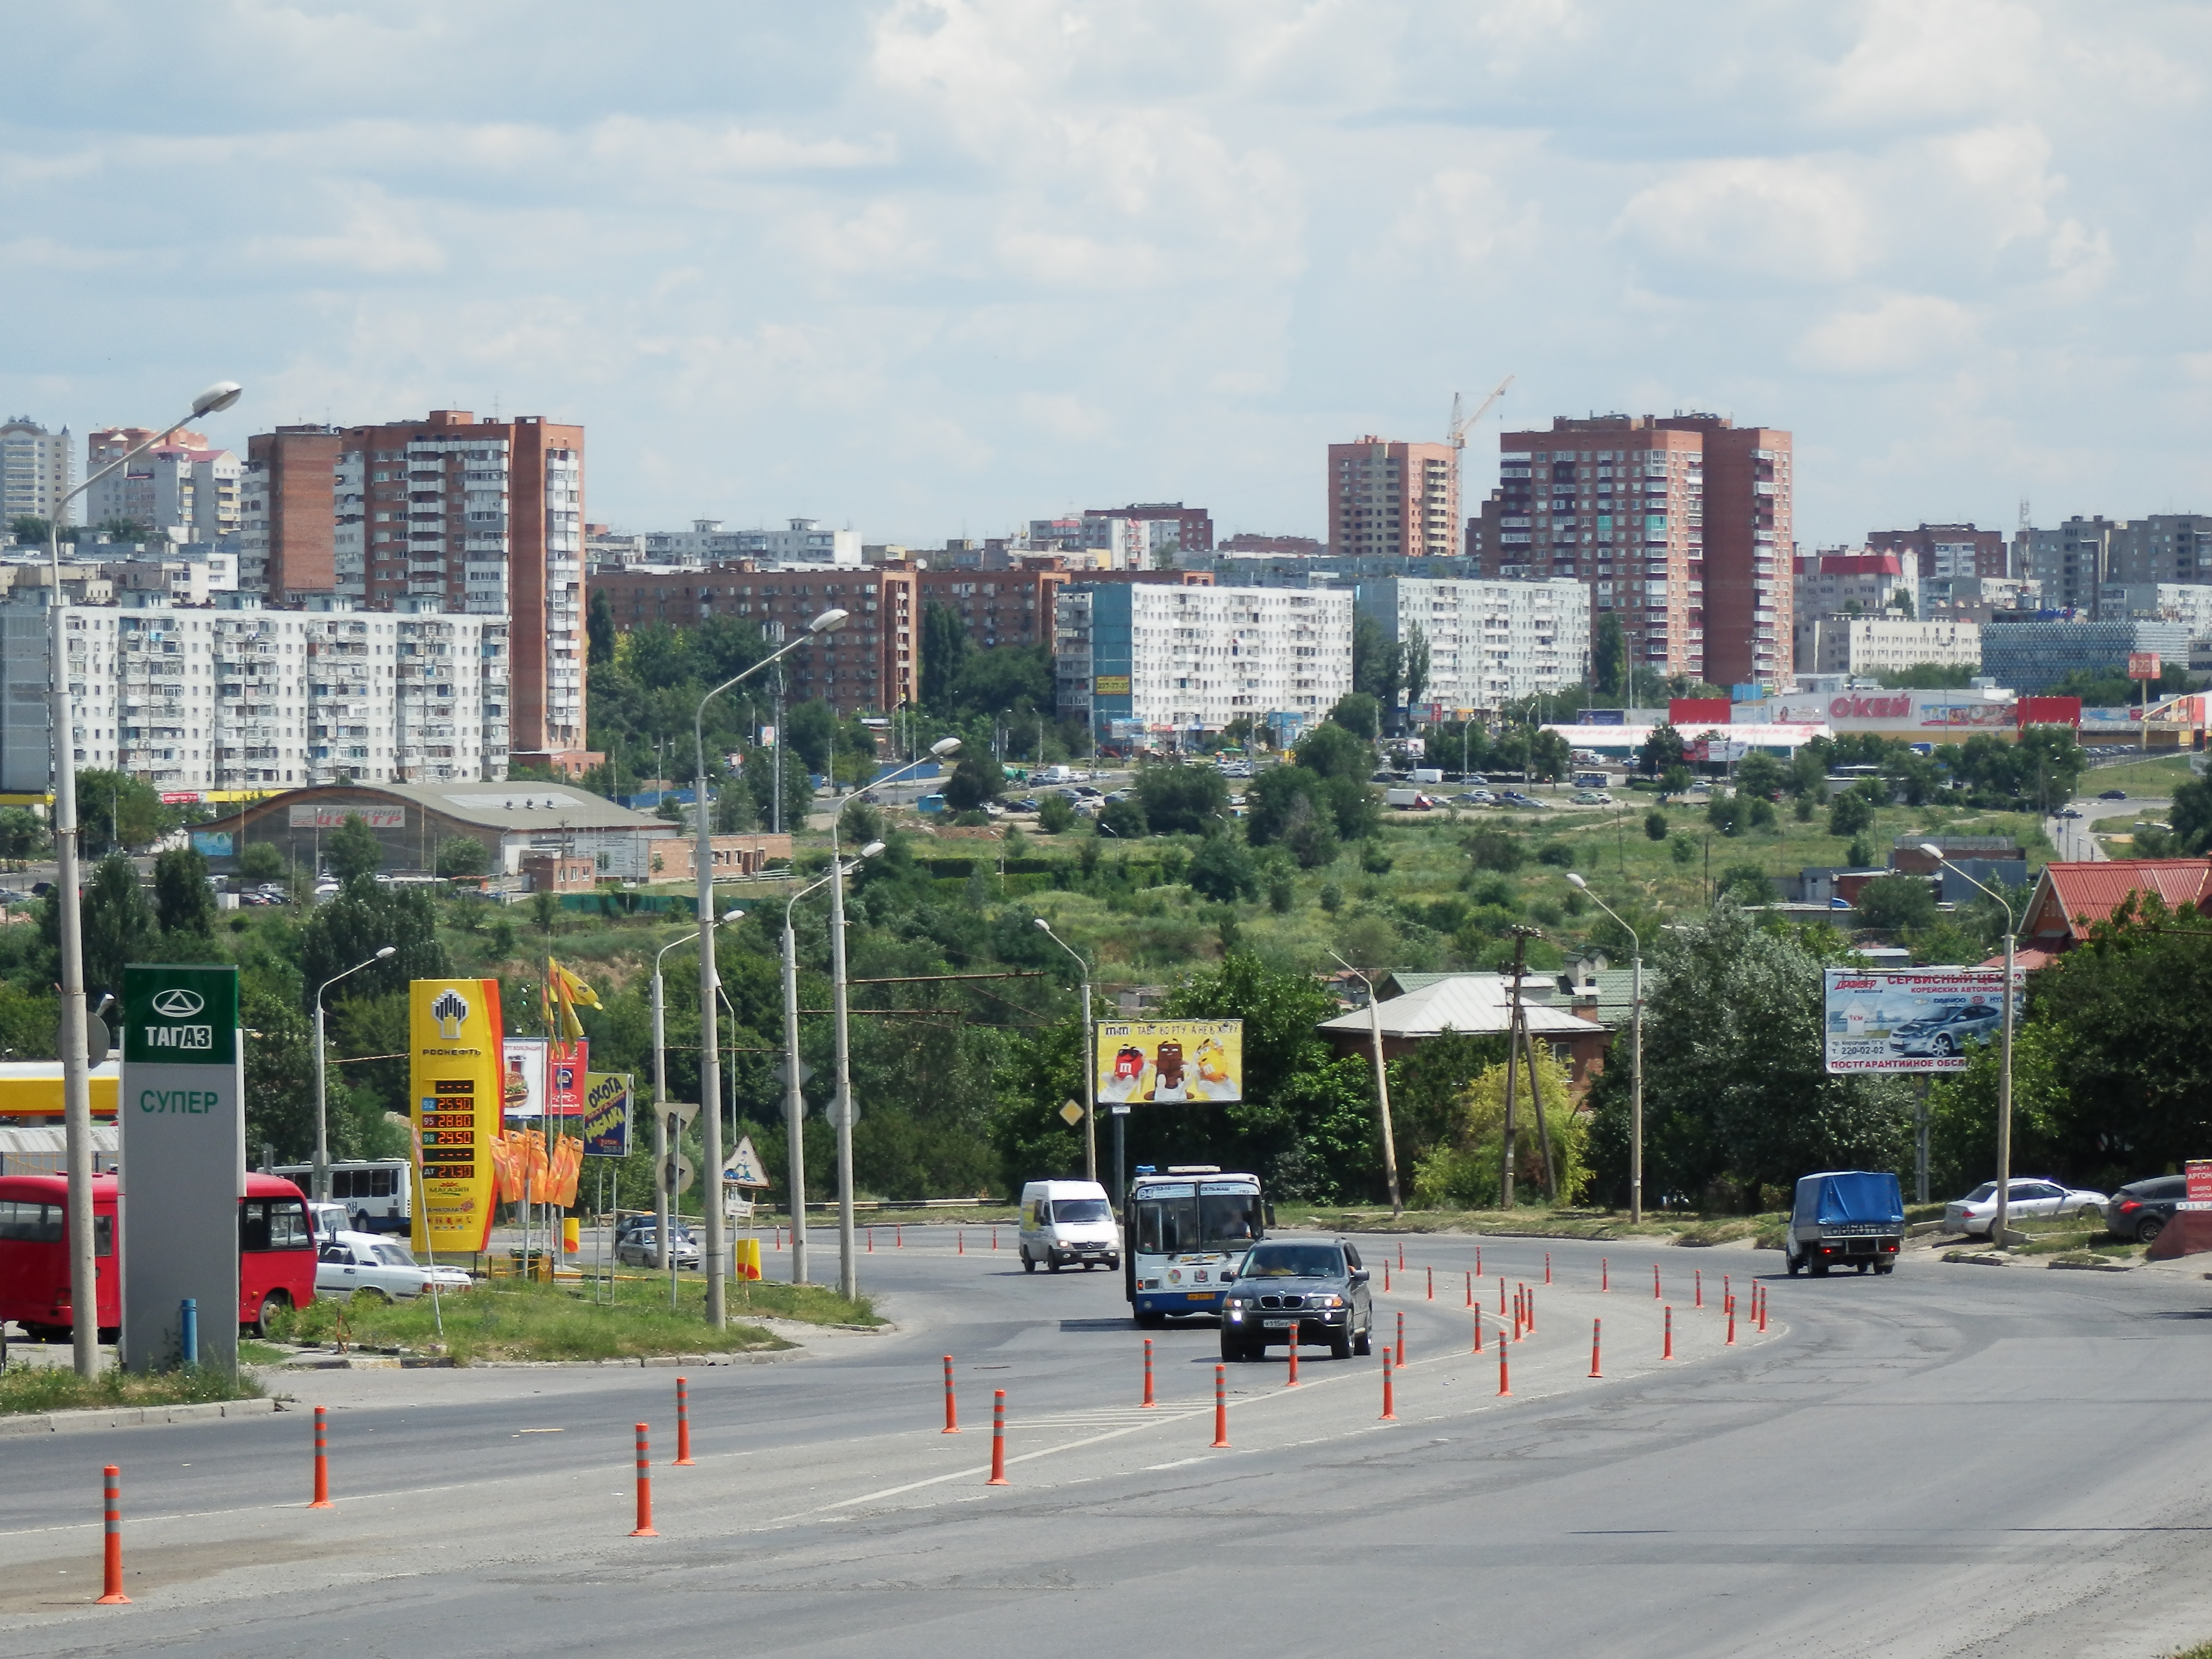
(77, 1066)
(322, 1175)
(710, 1081)
(660, 1097)
(1635, 1050)
(794, 1103)
(1382, 1087)
(1089, 1074)
(2004, 1059)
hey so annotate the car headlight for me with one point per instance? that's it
(1236, 1310)
(1331, 1301)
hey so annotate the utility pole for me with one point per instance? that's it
(1382, 1088)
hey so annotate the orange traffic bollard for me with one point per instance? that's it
(1594, 1336)
(1478, 1261)
(1501, 1297)
(1668, 1352)
(1548, 1267)
(1655, 1281)
(1291, 1382)
(1386, 1276)
(1401, 1255)
(961, 1243)
(1604, 1273)
(1432, 1272)
(644, 1528)
(1148, 1372)
(1505, 1376)
(1731, 1339)
(1389, 1406)
(322, 1463)
(1529, 1299)
(1478, 1331)
(111, 1497)
(898, 1236)
(1728, 1288)
(1220, 1408)
(1699, 1299)
(1401, 1338)
(1762, 1300)
(683, 1425)
(872, 1241)
(1470, 1290)
(951, 1411)
(998, 1438)
(994, 1239)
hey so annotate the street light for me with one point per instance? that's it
(710, 1080)
(1635, 1050)
(660, 1098)
(1382, 1088)
(1089, 1074)
(77, 1066)
(2004, 1060)
(321, 1180)
(794, 1103)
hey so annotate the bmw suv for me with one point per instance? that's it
(1298, 1290)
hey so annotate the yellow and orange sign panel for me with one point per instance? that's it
(1169, 1060)
(454, 1029)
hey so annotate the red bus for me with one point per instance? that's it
(276, 1261)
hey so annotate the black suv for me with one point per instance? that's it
(1297, 1290)
(2141, 1209)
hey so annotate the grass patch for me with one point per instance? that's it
(57, 1388)
(521, 1321)
(1726, 1230)
(250, 1352)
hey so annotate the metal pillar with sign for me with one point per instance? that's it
(182, 1114)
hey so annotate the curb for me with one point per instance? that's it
(132, 1417)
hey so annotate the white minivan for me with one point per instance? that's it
(1064, 1222)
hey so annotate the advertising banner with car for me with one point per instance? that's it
(1169, 1060)
(1912, 1019)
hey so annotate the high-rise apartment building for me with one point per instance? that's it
(191, 489)
(1947, 551)
(2076, 559)
(1386, 497)
(1487, 643)
(1680, 525)
(1175, 526)
(483, 518)
(36, 470)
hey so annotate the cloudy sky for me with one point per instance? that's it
(934, 267)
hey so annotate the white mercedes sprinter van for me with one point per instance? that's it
(1064, 1222)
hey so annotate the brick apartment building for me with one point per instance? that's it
(1680, 525)
(483, 517)
(1944, 551)
(872, 665)
(1386, 497)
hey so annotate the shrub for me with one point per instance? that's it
(1463, 1171)
(1331, 897)
(1850, 814)
(1494, 849)
(1223, 871)
(1556, 854)
(1655, 825)
(1682, 850)
(1123, 819)
(1055, 815)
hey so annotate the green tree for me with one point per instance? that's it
(1674, 781)
(1379, 662)
(1055, 815)
(1745, 882)
(1179, 799)
(1124, 820)
(599, 629)
(29, 529)
(113, 809)
(1333, 750)
(1849, 813)
(118, 925)
(1896, 903)
(1655, 825)
(975, 781)
(182, 898)
(1359, 714)
(810, 729)
(1222, 871)
(1761, 773)
(944, 650)
(353, 850)
(462, 855)
(22, 835)
(1002, 680)
(1417, 663)
(2193, 815)
(1609, 657)
(1663, 749)
(1932, 677)
(358, 922)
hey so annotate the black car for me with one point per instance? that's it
(2141, 1209)
(1298, 1290)
(2113, 794)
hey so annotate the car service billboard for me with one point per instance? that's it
(1912, 1019)
(1166, 1061)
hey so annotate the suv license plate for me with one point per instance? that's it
(1278, 1324)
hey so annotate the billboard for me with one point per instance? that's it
(1169, 1060)
(211, 843)
(1885, 711)
(522, 1076)
(606, 1114)
(1110, 685)
(2143, 666)
(333, 817)
(453, 1074)
(1911, 1019)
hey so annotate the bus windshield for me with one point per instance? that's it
(1174, 1220)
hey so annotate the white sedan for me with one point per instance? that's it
(2041, 1199)
(351, 1261)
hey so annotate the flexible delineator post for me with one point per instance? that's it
(1595, 1371)
(110, 1503)
(1401, 1338)
(952, 1412)
(322, 1500)
(1668, 1352)
(998, 1438)
(1292, 1381)
(644, 1528)
(1220, 1408)
(1147, 1400)
(1389, 1406)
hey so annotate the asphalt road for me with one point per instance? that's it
(1954, 1460)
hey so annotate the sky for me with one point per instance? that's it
(932, 268)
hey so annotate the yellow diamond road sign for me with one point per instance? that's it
(1071, 1114)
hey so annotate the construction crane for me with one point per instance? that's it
(1456, 437)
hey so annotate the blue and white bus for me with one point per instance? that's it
(1187, 1230)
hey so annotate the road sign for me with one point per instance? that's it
(97, 1042)
(841, 1112)
(676, 1174)
(743, 1168)
(683, 1110)
(1071, 1114)
(783, 1072)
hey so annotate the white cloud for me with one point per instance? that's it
(1901, 333)
(1797, 219)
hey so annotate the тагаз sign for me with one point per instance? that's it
(182, 1114)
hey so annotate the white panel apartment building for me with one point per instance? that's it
(1153, 657)
(191, 700)
(1490, 642)
(1885, 644)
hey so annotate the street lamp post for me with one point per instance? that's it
(794, 1103)
(1635, 1050)
(321, 1181)
(2004, 1057)
(1090, 1071)
(76, 1065)
(660, 1097)
(710, 1082)
(1382, 1088)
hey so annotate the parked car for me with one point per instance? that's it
(1022, 807)
(1592, 798)
(349, 1262)
(2030, 1196)
(2141, 1209)
(2112, 795)
(1515, 798)
(1474, 797)
(1945, 1031)
(638, 1250)
(1298, 1290)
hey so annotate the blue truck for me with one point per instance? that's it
(1844, 1218)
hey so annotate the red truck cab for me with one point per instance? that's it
(276, 1260)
